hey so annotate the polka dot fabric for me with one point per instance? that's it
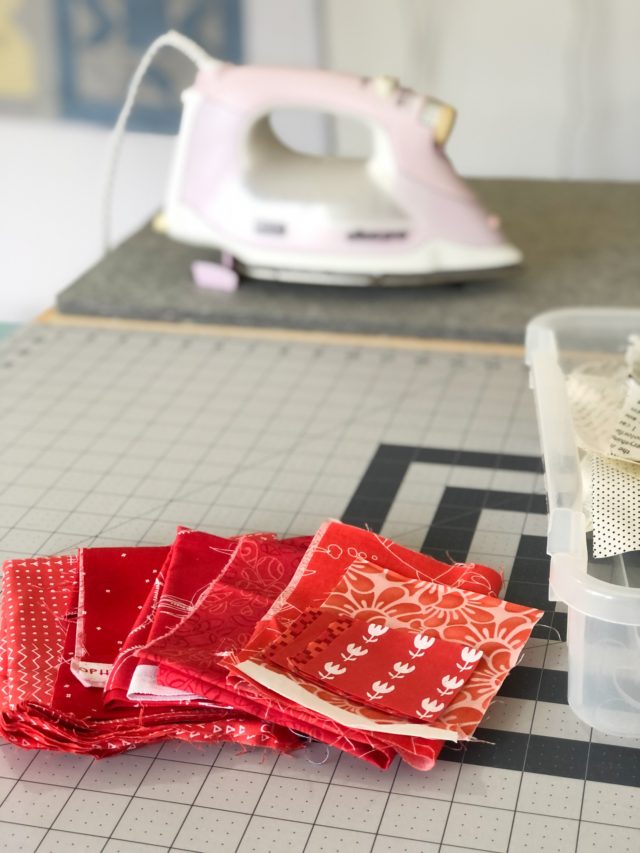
(614, 507)
(36, 595)
(43, 705)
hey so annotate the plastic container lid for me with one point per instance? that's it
(556, 342)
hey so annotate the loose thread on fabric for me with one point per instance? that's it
(551, 628)
(327, 754)
(481, 740)
(302, 735)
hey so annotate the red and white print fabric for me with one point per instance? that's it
(404, 673)
(497, 628)
(347, 638)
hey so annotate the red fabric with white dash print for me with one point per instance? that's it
(295, 718)
(36, 596)
(411, 675)
(307, 627)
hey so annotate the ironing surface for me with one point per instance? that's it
(579, 242)
(115, 437)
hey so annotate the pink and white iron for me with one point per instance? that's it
(400, 216)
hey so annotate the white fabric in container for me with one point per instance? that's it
(605, 405)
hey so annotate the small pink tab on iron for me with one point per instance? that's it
(214, 276)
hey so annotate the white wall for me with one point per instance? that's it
(288, 32)
(544, 88)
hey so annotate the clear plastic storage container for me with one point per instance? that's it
(602, 596)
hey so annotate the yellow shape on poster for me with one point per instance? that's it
(18, 77)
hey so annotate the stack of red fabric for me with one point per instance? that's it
(347, 638)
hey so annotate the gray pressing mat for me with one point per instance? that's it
(115, 437)
(580, 242)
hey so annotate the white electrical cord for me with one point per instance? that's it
(192, 51)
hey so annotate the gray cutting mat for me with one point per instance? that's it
(116, 437)
(580, 242)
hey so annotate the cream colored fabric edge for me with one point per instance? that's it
(144, 687)
(284, 686)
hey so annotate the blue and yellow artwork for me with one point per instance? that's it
(18, 64)
(78, 55)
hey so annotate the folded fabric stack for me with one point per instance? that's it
(347, 638)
